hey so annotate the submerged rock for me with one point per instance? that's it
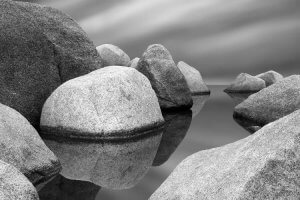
(263, 166)
(245, 83)
(110, 103)
(272, 103)
(193, 79)
(14, 185)
(113, 55)
(134, 62)
(113, 165)
(61, 188)
(270, 77)
(22, 147)
(166, 79)
(40, 48)
(176, 127)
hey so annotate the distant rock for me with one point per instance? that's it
(22, 147)
(270, 77)
(61, 188)
(245, 83)
(166, 79)
(14, 185)
(176, 127)
(110, 103)
(134, 62)
(40, 48)
(113, 55)
(113, 165)
(271, 103)
(263, 166)
(193, 79)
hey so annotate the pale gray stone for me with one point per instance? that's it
(113, 55)
(263, 166)
(270, 77)
(109, 103)
(134, 62)
(14, 185)
(22, 147)
(193, 79)
(245, 83)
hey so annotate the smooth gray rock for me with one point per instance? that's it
(270, 77)
(113, 55)
(22, 147)
(113, 165)
(14, 185)
(40, 48)
(166, 79)
(263, 166)
(110, 103)
(245, 83)
(193, 79)
(271, 103)
(134, 62)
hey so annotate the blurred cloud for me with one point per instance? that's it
(221, 38)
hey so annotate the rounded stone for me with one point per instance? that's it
(113, 55)
(270, 77)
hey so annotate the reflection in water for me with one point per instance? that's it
(113, 165)
(238, 97)
(198, 103)
(61, 188)
(176, 127)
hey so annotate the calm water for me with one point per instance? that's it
(136, 169)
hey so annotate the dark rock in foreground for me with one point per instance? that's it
(245, 83)
(271, 103)
(61, 188)
(270, 77)
(176, 127)
(113, 55)
(263, 166)
(40, 48)
(166, 79)
(110, 103)
(22, 147)
(14, 185)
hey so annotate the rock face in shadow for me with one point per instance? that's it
(238, 98)
(14, 185)
(40, 48)
(113, 55)
(247, 125)
(176, 127)
(270, 77)
(110, 103)
(263, 166)
(271, 103)
(113, 165)
(198, 103)
(193, 79)
(166, 79)
(61, 188)
(245, 83)
(22, 147)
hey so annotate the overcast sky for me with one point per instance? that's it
(221, 38)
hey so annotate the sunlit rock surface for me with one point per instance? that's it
(112, 55)
(263, 166)
(134, 62)
(270, 77)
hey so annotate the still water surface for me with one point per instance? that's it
(134, 170)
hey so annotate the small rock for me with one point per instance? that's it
(193, 78)
(166, 79)
(245, 83)
(14, 185)
(113, 55)
(270, 77)
(271, 103)
(263, 166)
(22, 147)
(134, 62)
(40, 48)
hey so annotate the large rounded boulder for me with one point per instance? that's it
(166, 79)
(110, 103)
(40, 48)
(22, 147)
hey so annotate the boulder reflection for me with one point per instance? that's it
(198, 103)
(114, 165)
